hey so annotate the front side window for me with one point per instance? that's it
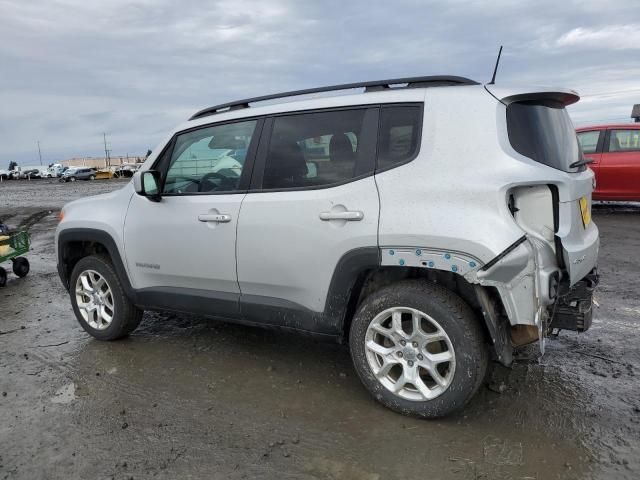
(589, 141)
(209, 160)
(399, 135)
(316, 149)
(624, 141)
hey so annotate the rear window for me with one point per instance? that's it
(543, 132)
(399, 135)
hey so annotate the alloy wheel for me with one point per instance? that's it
(410, 353)
(94, 299)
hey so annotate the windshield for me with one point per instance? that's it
(542, 131)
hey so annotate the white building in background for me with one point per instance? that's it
(101, 162)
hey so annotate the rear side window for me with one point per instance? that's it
(624, 140)
(399, 135)
(543, 132)
(589, 141)
(318, 149)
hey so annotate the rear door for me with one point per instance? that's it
(313, 202)
(619, 171)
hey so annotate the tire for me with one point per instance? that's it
(438, 310)
(125, 316)
(72, 179)
(21, 266)
(3, 277)
(92, 177)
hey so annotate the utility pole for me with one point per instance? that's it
(39, 153)
(106, 151)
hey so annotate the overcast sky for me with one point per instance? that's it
(73, 69)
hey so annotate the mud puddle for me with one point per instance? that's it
(186, 397)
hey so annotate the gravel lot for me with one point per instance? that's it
(187, 397)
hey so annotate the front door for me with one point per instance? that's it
(619, 171)
(181, 250)
(313, 201)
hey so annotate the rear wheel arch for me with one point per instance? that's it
(374, 279)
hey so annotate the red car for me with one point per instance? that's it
(615, 151)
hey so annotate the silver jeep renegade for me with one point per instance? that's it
(432, 223)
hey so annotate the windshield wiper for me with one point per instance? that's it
(581, 163)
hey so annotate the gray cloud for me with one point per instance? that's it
(72, 69)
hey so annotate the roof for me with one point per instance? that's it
(633, 126)
(369, 86)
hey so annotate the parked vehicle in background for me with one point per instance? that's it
(615, 152)
(4, 174)
(126, 170)
(28, 173)
(73, 174)
(55, 171)
(357, 217)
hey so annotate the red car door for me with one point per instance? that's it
(591, 142)
(619, 168)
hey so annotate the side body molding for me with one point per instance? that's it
(248, 309)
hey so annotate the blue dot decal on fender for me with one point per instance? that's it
(401, 262)
(391, 252)
(454, 268)
(431, 264)
(447, 256)
(472, 264)
(418, 252)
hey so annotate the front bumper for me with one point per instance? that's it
(573, 310)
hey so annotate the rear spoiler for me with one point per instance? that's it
(508, 95)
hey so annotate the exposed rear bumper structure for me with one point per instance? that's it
(574, 308)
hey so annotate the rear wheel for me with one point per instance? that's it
(99, 301)
(21, 266)
(3, 277)
(72, 179)
(92, 177)
(418, 348)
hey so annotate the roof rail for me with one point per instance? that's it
(371, 86)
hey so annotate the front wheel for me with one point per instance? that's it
(3, 277)
(72, 179)
(418, 348)
(92, 177)
(99, 300)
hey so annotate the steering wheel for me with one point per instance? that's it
(206, 179)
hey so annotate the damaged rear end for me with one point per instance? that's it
(549, 274)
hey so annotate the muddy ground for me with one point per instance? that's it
(187, 397)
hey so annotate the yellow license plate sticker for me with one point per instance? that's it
(585, 211)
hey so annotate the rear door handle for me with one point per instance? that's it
(353, 216)
(214, 217)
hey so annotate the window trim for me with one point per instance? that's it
(608, 140)
(372, 114)
(162, 161)
(420, 122)
(599, 143)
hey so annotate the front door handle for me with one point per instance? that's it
(214, 217)
(353, 216)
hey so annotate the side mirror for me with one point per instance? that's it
(147, 184)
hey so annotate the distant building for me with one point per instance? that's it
(635, 112)
(100, 162)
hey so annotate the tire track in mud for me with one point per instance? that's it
(34, 218)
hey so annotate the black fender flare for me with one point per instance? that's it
(92, 235)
